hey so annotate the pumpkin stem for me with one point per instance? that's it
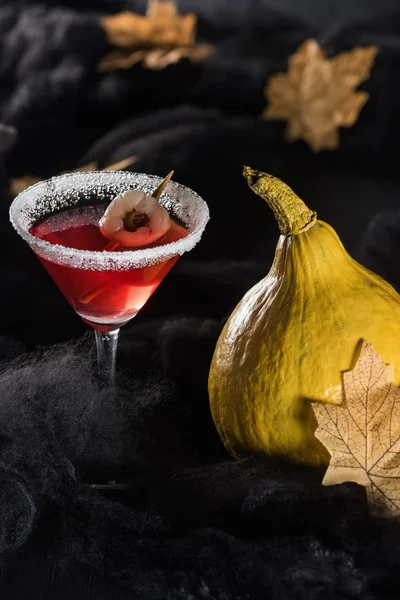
(292, 214)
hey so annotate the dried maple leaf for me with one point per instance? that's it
(363, 433)
(160, 38)
(19, 184)
(316, 96)
(155, 59)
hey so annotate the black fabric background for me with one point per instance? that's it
(192, 524)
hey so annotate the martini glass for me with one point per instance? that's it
(59, 219)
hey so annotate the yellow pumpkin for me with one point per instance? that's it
(293, 334)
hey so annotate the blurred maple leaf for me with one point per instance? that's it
(19, 184)
(316, 96)
(159, 38)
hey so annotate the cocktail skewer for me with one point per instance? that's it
(156, 194)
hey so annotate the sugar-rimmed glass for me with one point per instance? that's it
(120, 282)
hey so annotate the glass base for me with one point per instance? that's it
(105, 327)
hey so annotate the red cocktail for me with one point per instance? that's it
(105, 299)
(59, 218)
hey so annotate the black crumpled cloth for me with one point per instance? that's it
(192, 524)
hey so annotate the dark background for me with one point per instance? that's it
(192, 524)
(322, 14)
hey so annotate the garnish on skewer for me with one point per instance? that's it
(135, 218)
(145, 221)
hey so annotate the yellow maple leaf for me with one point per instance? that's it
(316, 96)
(157, 39)
(362, 434)
(19, 184)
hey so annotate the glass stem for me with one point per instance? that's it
(106, 344)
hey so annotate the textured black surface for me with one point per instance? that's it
(192, 523)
